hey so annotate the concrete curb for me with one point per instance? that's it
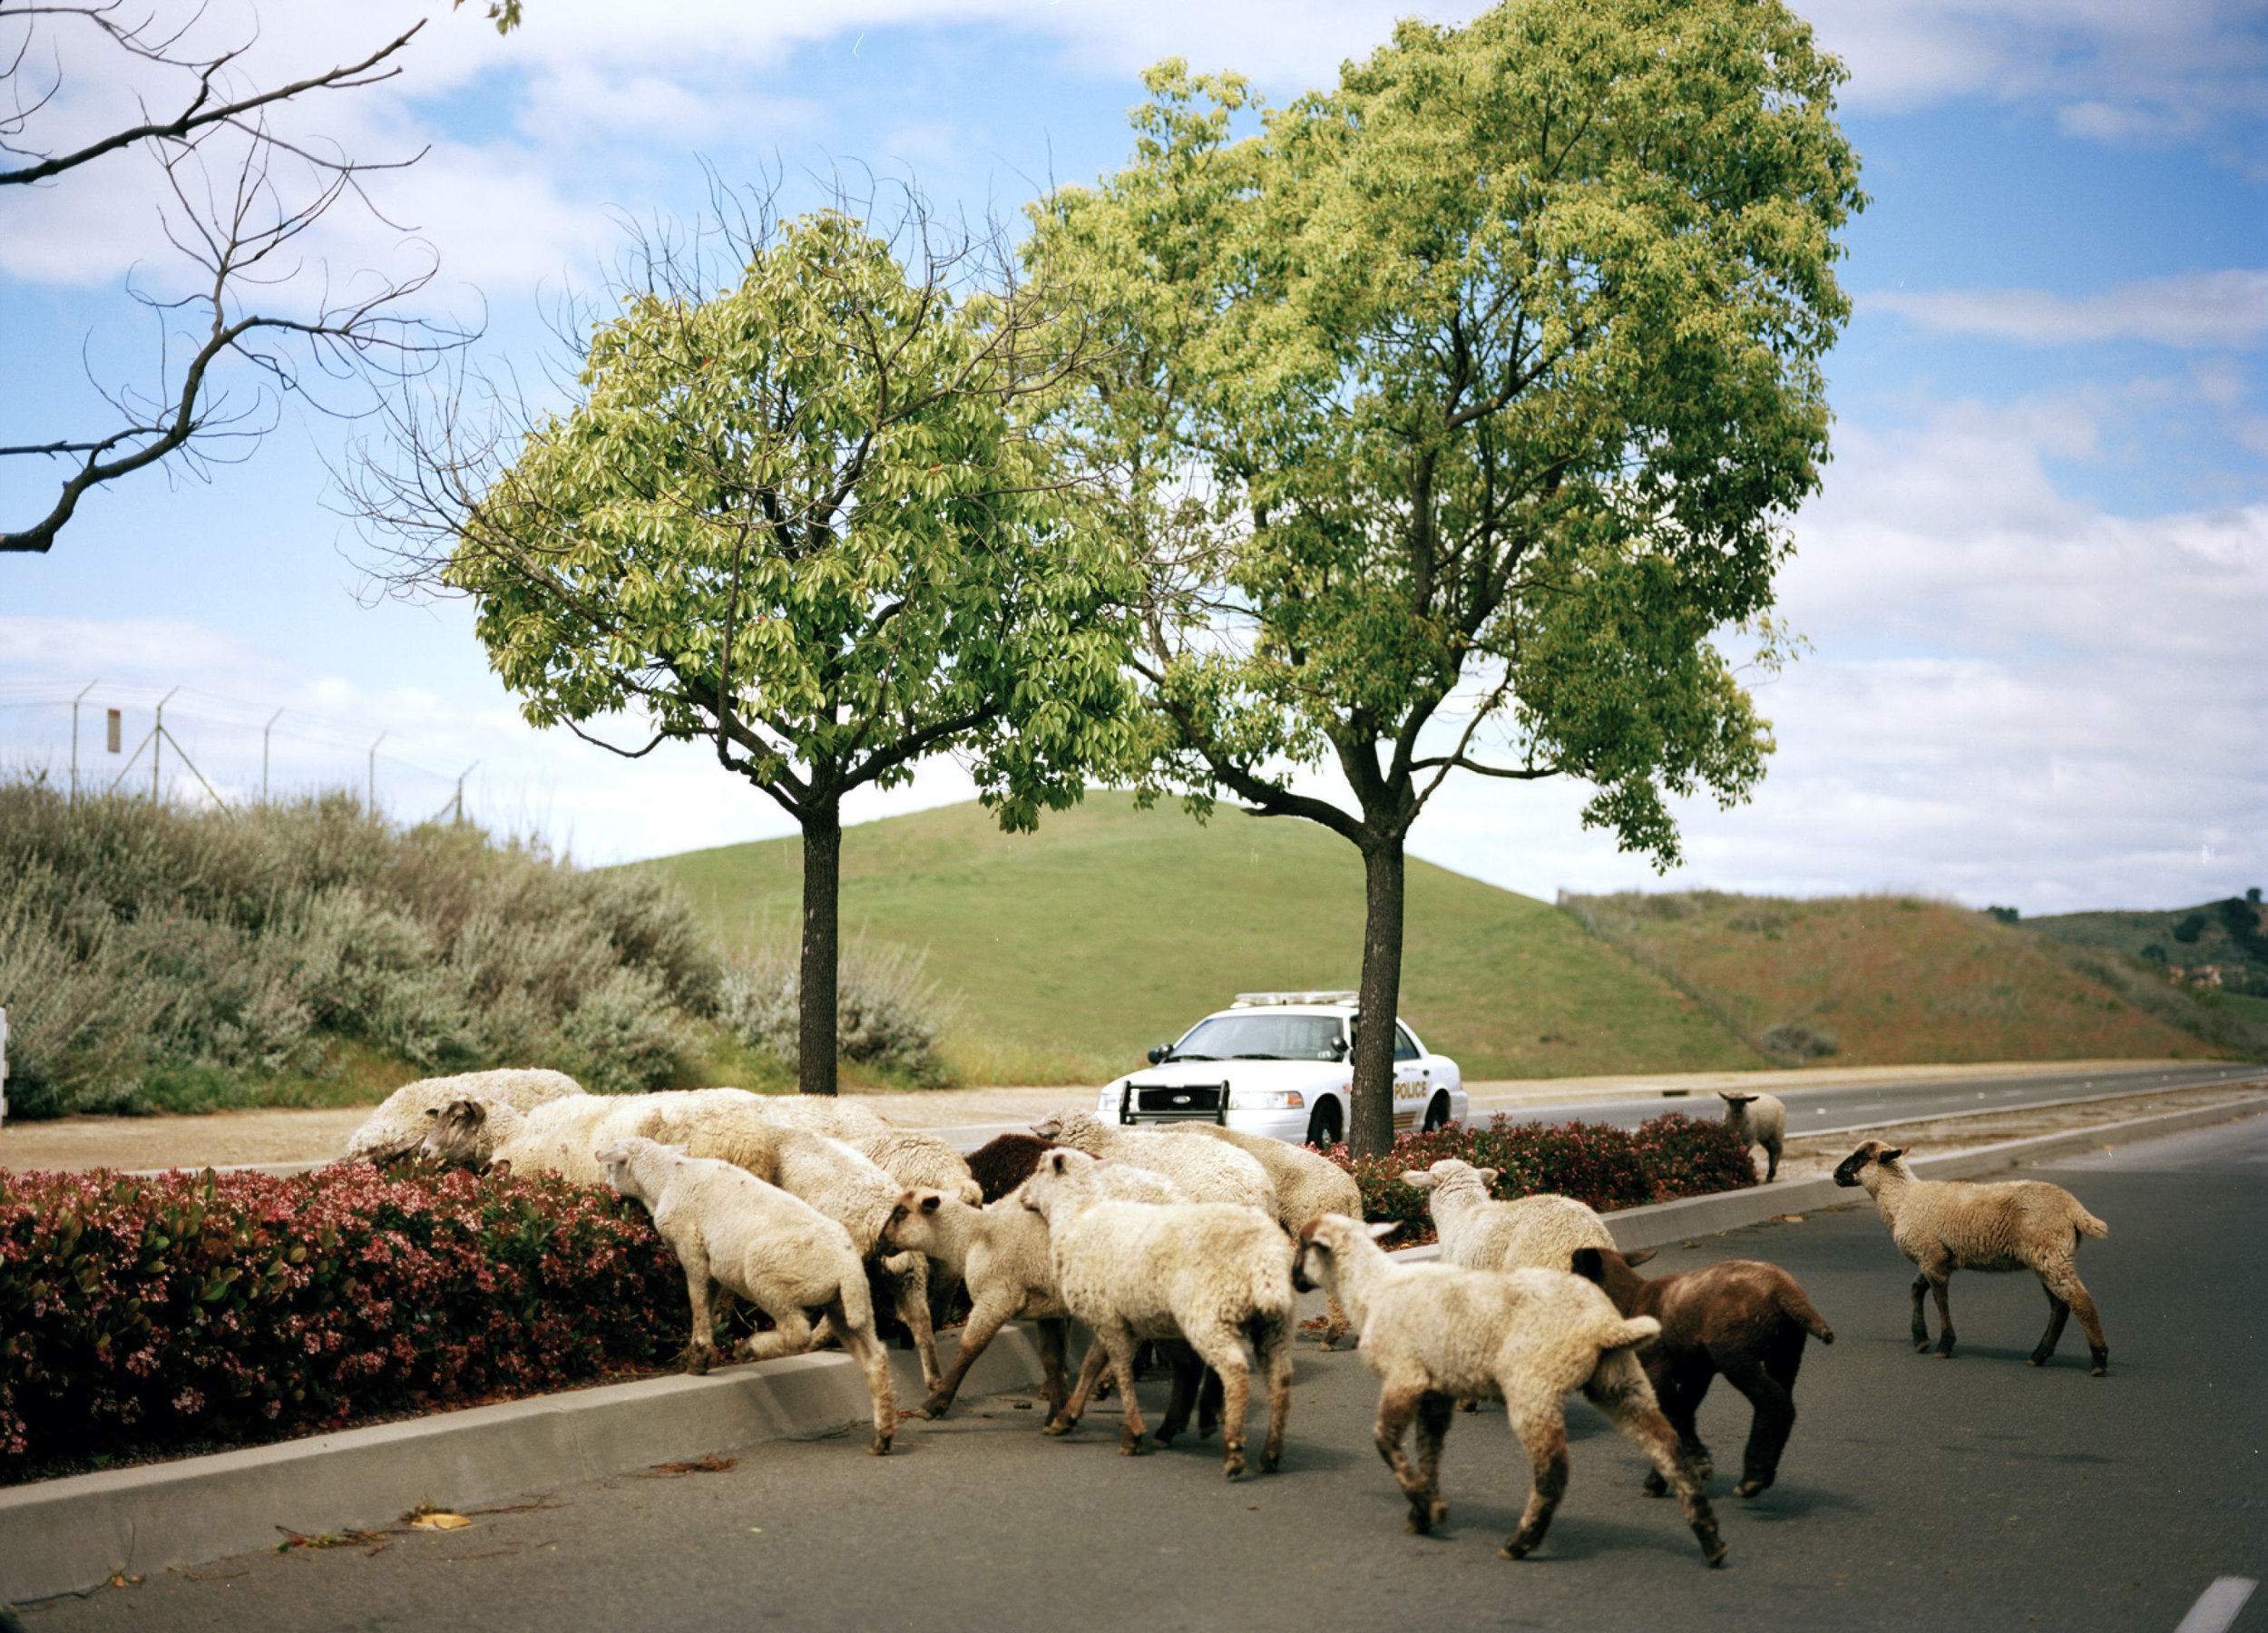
(65, 1536)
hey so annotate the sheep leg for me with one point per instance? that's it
(1338, 1326)
(1397, 1405)
(1680, 1390)
(1120, 1342)
(1225, 1353)
(791, 1334)
(984, 1324)
(1543, 1431)
(1619, 1389)
(1273, 1346)
(1054, 1335)
(2058, 1312)
(2070, 1291)
(874, 1360)
(1067, 1417)
(1208, 1404)
(1768, 1428)
(700, 1348)
(1938, 1286)
(1771, 1163)
(909, 1277)
(1435, 1413)
(1920, 1326)
(1188, 1386)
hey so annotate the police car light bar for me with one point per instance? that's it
(1262, 999)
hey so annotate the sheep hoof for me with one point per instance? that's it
(2102, 1364)
(1516, 1550)
(1058, 1426)
(1232, 1465)
(1441, 1512)
(1920, 1347)
(881, 1448)
(1749, 1488)
(1713, 1549)
(1130, 1445)
(1655, 1485)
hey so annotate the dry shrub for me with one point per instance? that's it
(888, 1013)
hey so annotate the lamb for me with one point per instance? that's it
(1541, 1232)
(1434, 1333)
(1949, 1225)
(398, 1125)
(1210, 1274)
(1760, 1119)
(1308, 1185)
(1001, 1251)
(917, 1158)
(783, 1255)
(1207, 1171)
(1006, 1161)
(1741, 1317)
(851, 1190)
(826, 1114)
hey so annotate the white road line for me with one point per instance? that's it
(2217, 1605)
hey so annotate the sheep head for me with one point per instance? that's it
(912, 1220)
(459, 1133)
(1449, 1173)
(1320, 1240)
(1873, 1153)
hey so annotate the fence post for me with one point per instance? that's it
(3, 1065)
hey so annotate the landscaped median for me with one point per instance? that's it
(70, 1534)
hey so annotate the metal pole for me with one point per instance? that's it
(459, 801)
(157, 742)
(263, 753)
(370, 799)
(89, 686)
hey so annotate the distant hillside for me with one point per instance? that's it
(1112, 929)
(2227, 934)
(1898, 979)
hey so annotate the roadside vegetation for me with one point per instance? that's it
(1873, 980)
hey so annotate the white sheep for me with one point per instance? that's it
(1207, 1171)
(827, 1114)
(1435, 1332)
(1949, 1225)
(1308, 1185)
(1003, 1252)
(398, 1126)
(729, 1227)
(558, 1137)
(918, 1159)
(1207, 1273)
(1760, 1119)
(851, 1189)
(1477, 1233)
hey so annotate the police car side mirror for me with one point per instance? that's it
(1158, 1052)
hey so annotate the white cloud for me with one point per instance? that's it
(2226, 310)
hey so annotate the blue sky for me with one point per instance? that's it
(2035, 585)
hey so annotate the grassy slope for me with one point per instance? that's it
(1894, 978)
(1112, 929)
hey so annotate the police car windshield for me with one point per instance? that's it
(1261, 1037)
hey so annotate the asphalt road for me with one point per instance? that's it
(1832, 1109)
(1976, 1493)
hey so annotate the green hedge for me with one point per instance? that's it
(147, 1313)
(1604, 1167)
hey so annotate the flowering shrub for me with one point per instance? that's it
(242, 1306)
(1604, 1167)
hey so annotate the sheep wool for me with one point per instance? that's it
(1741, 1317)
(1435, 1334)
(1207, 1171)
(730, 1229)
(1759, 1119)
(1308, 1185)
(1539, 1232)
(1949, 1225)
(398, 1126)
(1211, 1273)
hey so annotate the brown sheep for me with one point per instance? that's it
(1002, 1164)
(1743, 1318)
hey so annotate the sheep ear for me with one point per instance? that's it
(1384, 1228)
(932, 1202)
(1589, 1265)
(1887, 1155)
(1640, 1256)
(434, 1112)
(1423, 1181)
(1487, 1176)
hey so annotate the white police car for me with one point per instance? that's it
(1279, 1064)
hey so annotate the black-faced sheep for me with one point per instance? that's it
(1949, 1225)
(1742, 1317)
(1434, 1333)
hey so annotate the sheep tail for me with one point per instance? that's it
(1797, 1308)
(1621, 1334)
(2085, 1223)
(972, 1193)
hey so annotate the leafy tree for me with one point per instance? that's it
(2006, 916)
(805, 519)
(239, 196)
(2189, 929)
(1451, 411)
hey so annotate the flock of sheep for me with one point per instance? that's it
(1196, 1240)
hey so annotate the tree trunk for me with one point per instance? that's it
(821, 886)
(1371, 1119)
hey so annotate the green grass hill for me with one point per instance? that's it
(1872, 980)
(1112, 929)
